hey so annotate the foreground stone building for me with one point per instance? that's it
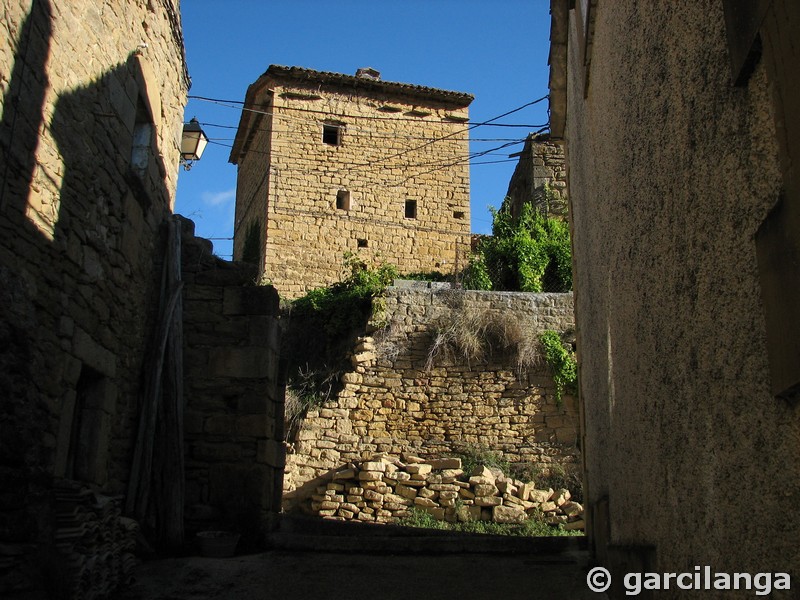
(682, 136)
(92, 97)
(331, 163)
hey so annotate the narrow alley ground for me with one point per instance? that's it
(356, 566)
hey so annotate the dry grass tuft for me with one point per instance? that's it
(477, 335)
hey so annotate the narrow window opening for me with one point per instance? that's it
(411, 209)
(343, 200)
(458, 214)
(331, 135)
(83, 458)
(362, 243)
(142, 140)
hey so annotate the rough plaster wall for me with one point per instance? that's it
(671, 172)
(383, 160)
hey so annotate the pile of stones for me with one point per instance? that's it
(386, 488)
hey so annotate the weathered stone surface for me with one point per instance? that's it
(424, 502)
(508, 514)
(571, 509)
(419, 469)
(373, 466)
(485, 489)
(488, 501)
(446, 464)
(561, 496)
(393, 407)
(344, 474)
(540, 495)
(575, 525)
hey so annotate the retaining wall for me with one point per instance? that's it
(394, 401)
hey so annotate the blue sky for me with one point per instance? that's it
(495, 50)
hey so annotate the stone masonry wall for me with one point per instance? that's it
(388, 488)
(289, 181)
(80, 216)
(391, 402)
(541, 163)
(234, 392)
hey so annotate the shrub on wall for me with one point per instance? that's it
(323, 327)
(531, 253)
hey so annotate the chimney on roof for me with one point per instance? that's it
(368, 73)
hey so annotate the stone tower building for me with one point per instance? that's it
(331, 163)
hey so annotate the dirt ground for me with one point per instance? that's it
(284, 574)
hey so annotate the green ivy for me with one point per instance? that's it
(561, 361)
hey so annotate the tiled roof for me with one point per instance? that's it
(278, 74)
(366, 83)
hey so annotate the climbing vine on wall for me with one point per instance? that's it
(562, 363)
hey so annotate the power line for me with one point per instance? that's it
(240, 104)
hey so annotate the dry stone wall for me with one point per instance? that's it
(393, 401)
(387, 488)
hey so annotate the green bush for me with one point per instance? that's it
(323, 327)
(531, 253)
(473, 457)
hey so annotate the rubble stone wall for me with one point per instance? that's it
(541, 163)
(234, 394)
(388, 488)
(393, 402)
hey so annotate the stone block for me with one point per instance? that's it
(418, 469)
(373, 466)
(271, 452)
(488, 501)
(93, 354)
(484, 489)
(220, 424)
(241, 362)
(508, 514)
(250, 300)
(254, 426)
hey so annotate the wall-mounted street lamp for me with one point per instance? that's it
(193, 143)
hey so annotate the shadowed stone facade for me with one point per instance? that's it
(331, 163)
(92, 96)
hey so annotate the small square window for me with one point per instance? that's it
(459, 214)
(362, 243)
(343, 200)
(411, 209)
(331, 134)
